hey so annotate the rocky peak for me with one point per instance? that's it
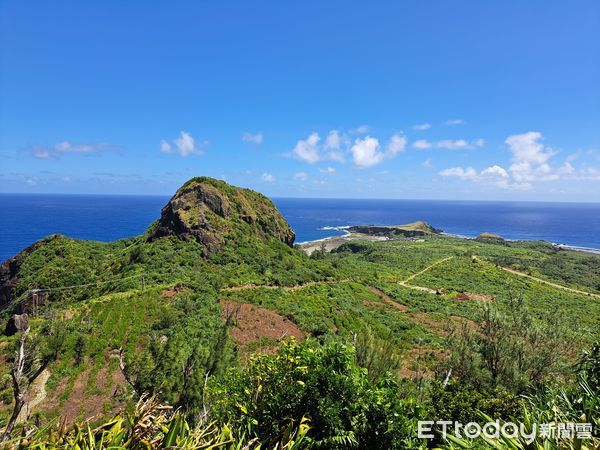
(212, 212)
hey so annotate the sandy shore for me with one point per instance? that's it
(332, 243)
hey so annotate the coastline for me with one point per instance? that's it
(332, 242)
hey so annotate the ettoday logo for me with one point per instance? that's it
(510, 430)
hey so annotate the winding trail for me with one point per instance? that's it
(285, 288)
(549, 283)
(296, 287)
(414, 275)
(35, 395)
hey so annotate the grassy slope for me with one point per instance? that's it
(118, 314)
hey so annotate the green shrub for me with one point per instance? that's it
(323, 383)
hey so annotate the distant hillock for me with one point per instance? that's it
(413, 229)
(489, 237)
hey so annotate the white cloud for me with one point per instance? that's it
(308, 150)
(427, 163)
(530, 162)
(421, 127)
(365, 152)
(338, 144)
(495, 175)
(464, 174)
(165, 146)
(495, 171)
(64, 147)
(333, 140)
(451, 122)
(360, 130)
(527, 147)
(459, 144)
(449, 144)
(328, 170)
(397, 144)
(253, 138)
(267, 177)
(530, 157)
(301, 176)
(422, 144)
(184, 145)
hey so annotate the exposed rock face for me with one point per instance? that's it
(212, 212)
(414, 229)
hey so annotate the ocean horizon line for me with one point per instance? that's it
(71, 194)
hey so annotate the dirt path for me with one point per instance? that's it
(35, 395)
(549, 283)
(285, 288)
(414, 275)
(345, 280)
(389, 300)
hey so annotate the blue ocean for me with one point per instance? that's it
(26, 218)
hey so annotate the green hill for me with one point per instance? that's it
(199, 312)
(414, 229)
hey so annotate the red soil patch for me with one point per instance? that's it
(250, 323)
(420, 362)
(389, 300)
(92, 406)
(171, 292)
(462, 296)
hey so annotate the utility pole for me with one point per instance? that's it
(34, 302)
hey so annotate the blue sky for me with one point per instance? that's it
(429, 99)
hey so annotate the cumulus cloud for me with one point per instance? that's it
(530, 162)
(396, 145)
(253, 138)
(421, 127)
(184, 145)
(530, 157)
(365, 152)
(422, 144)
(267, 177)
(427, 163)
(527, 147)
(308, 150)
(494, 171)
(464, 174)
(493, 175)
(65, 147)
(451, 122)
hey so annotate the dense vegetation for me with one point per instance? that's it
(387, 333)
